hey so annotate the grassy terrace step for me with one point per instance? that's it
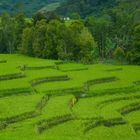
(42, 103)
(117, 69)
(106, 123)
(11, 76)
(100, 81)
(113, 91)
(47, 124)
(130, 108)
(75, 91)
(3, 61)
(80, 69)
(59, 110)
(137, 82)
(109, 101)
(14, 119)
(136, 127)
(69, 67)
(27, 115)
(113, 122)
(95, 122)
(38, 67)
(59, 62)
(56, 106)
(15, 91)
(82, 91)
(49, 79)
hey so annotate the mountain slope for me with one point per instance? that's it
(27, 6)
(95, 7)
(84, 7)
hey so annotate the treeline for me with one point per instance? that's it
(46, 37)
(115, 34)
(115, 25)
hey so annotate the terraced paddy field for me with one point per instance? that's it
(52, 100)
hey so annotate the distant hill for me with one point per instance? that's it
(95, 7)
(66, 7)
(85, 7)
(27, 6)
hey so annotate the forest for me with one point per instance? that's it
(97, 30)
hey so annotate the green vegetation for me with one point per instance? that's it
(58, 100)
(97, 30)
(46, 38)
(113, 24)
(26, 6)
(50, 7)
(69, 70)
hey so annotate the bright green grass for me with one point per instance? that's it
(105, 107)
(15, 105)
(56, 106)
(16, 83)
(72, 67)
(69, 22)
(133, 117)
(99, 101)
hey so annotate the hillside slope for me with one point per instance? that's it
(52, 100)
(95, 7)
(28, 7)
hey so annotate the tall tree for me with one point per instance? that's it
(8, 29)
(27, 41)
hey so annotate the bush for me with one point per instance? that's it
(119, 54)
(133, 57)
(129, 56)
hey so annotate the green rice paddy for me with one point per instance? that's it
(52, 100)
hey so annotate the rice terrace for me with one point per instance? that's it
(69, 69)
(53, 100)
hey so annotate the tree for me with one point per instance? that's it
(21, 24)
(122, 23)
(26, 42)
(100, 29)
(66, 43)
(110, 46)
(39, 38)
(86, 44)
(53, 39)
(75, 16)
(135, 52)
(136, 40)
(8, 33)
(38, 16)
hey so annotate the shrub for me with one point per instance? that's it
(133, 57)
(119, 54)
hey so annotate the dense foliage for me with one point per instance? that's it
(101, 30)
(51, 39)
(84, 7)
(114, 24)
